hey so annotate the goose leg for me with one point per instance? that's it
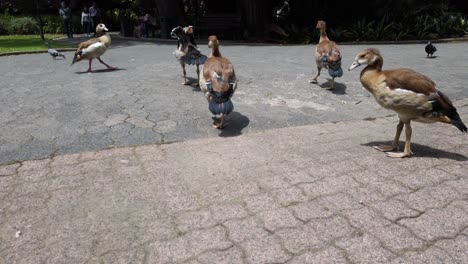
(89, 65)
(198, 76)
(407, 151)
(314, 80)
(107, 65)
(332, 84)
(221, 123)
(185, 74)
(394, 146)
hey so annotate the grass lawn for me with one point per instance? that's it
(13, 43)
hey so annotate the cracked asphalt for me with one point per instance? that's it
(51, 108)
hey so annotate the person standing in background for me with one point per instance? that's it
(66, 15)
(95, 14)
(86, 22)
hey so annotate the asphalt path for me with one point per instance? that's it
(48, 107)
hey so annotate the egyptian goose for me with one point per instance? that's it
(430, 49)
(53, 52)
(412, 95)
(328, 55)
(187, 51)
(218, 81)
(94, 48)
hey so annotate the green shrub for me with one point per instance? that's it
(4, 24)
(23, 25)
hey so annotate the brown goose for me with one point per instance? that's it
(411, 95)
(94, 48)
(218, 81)
(328, 55)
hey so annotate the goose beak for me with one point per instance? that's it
(354, 65)
(105, 29)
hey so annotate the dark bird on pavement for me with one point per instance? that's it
(430, 49)
(187, 51)
(413, 96)
(54, 53)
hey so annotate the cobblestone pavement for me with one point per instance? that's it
(47, 108)
(306, 194)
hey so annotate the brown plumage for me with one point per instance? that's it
(218, 81)
(94, 48)
(327, 54)
(412, 95)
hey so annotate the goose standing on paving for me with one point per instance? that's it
(412, 95)
(328, 55)
(218, 81)
(53, 52)
(430, 49)
(94, 48)
(187, 51)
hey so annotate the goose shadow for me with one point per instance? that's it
(234, 124)
(101, 71)
(193, 83)
(431, 57)
(339, 88)
(424, 151)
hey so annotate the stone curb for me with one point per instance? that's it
(33, 52)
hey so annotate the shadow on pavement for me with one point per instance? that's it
(432, 57)
(101, 71)
(425, 151)
(340, 88)
(234, 124)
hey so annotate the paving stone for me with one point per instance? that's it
(366, 218)
(229, 192)
(249, 228)
(266, 249)
(431, 255)
(297, 177)
(187, 246)
(457, 248)
(327, 256)
(299, 239)
(460, 186)
(224, 212)
(232, 255)
(366, 195)
(261, 202)
(65, 159)
(289, 196)
(394, 209)
(431, 197)
(272, 182)
(6, 170)
(115, 119)
(437, 223)
(34, 165)
(397, 238)
(194, 220)
(423, 178)
(277, 219)
(365, 249)
(339, 202)
(331, 228)
(33, 175)
(329, 185)
(311, 209)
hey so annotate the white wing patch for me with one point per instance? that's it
(404, 91)
(95, 49)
